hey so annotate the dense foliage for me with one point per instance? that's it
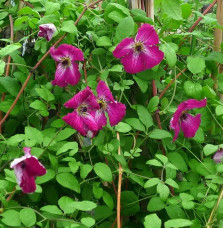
(173, 181)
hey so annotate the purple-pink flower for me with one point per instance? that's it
(218, 156)
(184, 121)
(82, 118)
(140, 53)
(67, 71)
(115, 110)
(26, 169)
(47, 31)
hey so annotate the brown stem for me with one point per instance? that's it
(40, 61)
(119, 225)
(8, 63)
(114, 223)
(209, 225)
(28, 4)
(171, 82)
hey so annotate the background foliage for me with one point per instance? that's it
(177, 190)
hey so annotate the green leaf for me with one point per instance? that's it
(83, 205)
(15, 139)
(215, 56)
(9, 49)
(104, 41)
(103, 171)
(28, 217)
(53, 209)
(177, 160)
(144, 116)
(11, 218)
(130, 203)
(50, 174)
(64, 134)
(68, 26)
(193, 89)
(51, 7)
(162, 158)
(68, 181)
(172, 183)
(123, 127)
(88, 221)
(219, 110)
(170, 53)
(163, 190)
(143, 84)
(39, 105)
(64, 202)
(108, 200)
(2, 67)
(160, 134)
(186, 10)
(73, 146)
(172, 8)
(152, 182)
(85, 170)
(195, 64)
(210, 149)
(177, 223)
(175, 211)
(125, 28)
(155, 204)
(153, 104)
(45, 94)
(11, 85)
(49, 19)
(27, 10)
(135, 123)
(33, 136)
(152, 221)
(154, 162)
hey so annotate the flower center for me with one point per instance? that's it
(23, 164)
(138, 47)
(82, 110)
(102, 103)
(66, 62)
(183, 116)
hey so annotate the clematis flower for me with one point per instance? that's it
(218, 156)
(184, 121)
(26, 169)
(115, 110)
(47, 31)
(82, 118)
(140, 53)
(67, 71)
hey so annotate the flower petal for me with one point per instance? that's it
(66, 50)
(192, 103)
(123, 48)
(85, 96)
(152, 56)
(133, 63)
(147, 35)
(27, 151)
(90, 123)
(116, 112)
(61, 76)
(73, 74)
(218, 156)
(100, 119)
(175, 125)
(190, 125)
(76, 122)
(104, 92)
(34, 167)
(24, 180)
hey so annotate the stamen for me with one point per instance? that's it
(102, 103)
(138, 47)
(66, 62)
(82, 110)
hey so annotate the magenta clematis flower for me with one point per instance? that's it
(82, 118)
(218, 156)
(47, 31)
(186, 122)
(140, 53)
(67, 71)
(115, 110)
(26, 169)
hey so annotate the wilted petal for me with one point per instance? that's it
(133, 63)
(218, 156)
(104, 92)
(47, 31)
(73, 74)
(176, 127)
(76, 122)
(61, 76)
(34, 167)
(116, 112)
(192, 103)
(152, 56)
(190, 125)
(123, 48)
(147, 35)
(100, 119)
